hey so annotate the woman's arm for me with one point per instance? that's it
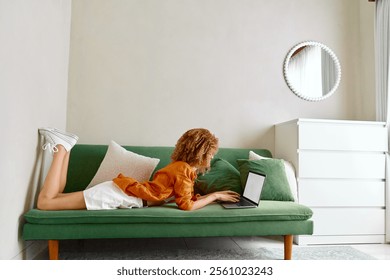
(228, 196)
(159, 203)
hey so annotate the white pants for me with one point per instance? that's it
(107, 195)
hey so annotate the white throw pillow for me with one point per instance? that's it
(119, 160)
(289, 169)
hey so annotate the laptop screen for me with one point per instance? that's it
(253, 187)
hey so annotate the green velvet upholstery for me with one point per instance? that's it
(213, 220)
(170, 214)
(270, 218)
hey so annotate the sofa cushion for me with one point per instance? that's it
(169, 213)
(222, 176)
(289, 170)
(119, 160)
(276, 186)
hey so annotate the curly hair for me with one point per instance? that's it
(196, 147)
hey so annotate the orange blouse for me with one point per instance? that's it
(176, 179)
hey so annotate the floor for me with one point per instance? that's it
(378, 251)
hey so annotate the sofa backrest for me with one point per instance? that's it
(85, 160)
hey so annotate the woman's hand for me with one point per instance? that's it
(227, 196)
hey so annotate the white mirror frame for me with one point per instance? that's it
(293, 87)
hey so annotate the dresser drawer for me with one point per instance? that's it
(340, 169)
(347, 136)
(349, 193)
(348, 221)
(359, 165)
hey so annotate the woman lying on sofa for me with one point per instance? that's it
(192, 155)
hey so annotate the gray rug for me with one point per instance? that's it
(80, 251)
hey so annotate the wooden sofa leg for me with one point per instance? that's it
(288, 244)
(53, 249)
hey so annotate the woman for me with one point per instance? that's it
(192, 155)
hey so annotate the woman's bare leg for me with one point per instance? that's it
(49, 197)
(52, 184)
(64, 172)
(66, 201)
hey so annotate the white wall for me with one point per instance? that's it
(367, 99)
(143, 72)
(34, 52)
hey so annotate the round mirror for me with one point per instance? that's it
(312, 71)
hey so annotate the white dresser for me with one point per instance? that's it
(340, 169)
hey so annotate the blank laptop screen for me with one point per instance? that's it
(253, 187)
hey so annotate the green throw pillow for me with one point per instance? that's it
(276, 186)
(222, 176)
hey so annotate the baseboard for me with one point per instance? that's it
(340, 239)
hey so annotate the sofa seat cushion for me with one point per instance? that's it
(170, 214)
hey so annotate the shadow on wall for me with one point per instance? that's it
(38, 173)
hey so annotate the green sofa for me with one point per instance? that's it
(284, 218)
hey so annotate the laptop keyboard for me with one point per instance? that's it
(244, 202)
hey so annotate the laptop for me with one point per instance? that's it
(252, 191)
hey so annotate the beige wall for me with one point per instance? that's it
(34, 52)
(143, 72)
